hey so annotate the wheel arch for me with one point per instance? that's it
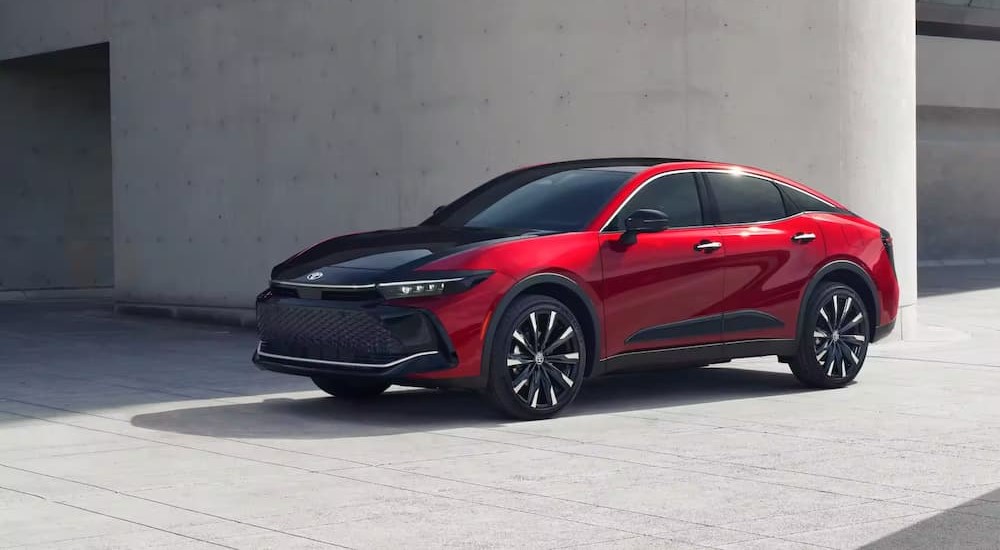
(562, 288)
(851, 274)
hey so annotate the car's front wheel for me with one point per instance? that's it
(538, 358)
(347, 388)
(834, 341)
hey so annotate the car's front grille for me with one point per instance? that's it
(320, 293)
(327, 334)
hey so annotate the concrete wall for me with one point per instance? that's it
(244, 131)
(29, 27)
(55, 156)
(959, 148)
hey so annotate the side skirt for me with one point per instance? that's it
(696, 355)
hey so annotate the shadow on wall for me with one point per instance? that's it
(413, 411)
(957, 162)
(55, 150)
(971, 526)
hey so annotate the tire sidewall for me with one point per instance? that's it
(500, 382)
(807, 352)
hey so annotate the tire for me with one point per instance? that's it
(354, 389)
(528, 383)
(834, 340)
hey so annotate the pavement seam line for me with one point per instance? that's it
(492, 505)
(955, 364)
(828, 529)
(362, 465)
(681, 468)
(132, 522)
(866, 499)
(168, 505)
(170, 444)
(692, 524)
(286, 466)
(862, 522)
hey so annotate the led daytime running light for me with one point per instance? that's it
(415, 289)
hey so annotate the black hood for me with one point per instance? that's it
(366, 258)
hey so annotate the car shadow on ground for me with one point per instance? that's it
(426, 410)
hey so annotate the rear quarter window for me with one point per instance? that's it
(800, 201)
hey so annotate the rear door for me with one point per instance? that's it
(771, 253)
(665, 289)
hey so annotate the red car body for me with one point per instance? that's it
(655, 300)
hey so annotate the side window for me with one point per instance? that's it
(745, 199)
(804, 202)
(675, 195)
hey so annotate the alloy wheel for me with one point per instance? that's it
(840, 336)
(543, 358)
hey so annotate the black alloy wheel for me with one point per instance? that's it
(834, 345)
(539, 358)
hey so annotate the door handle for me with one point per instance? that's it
(707, 246)
(804, 237)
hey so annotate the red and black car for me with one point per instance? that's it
(546, 276)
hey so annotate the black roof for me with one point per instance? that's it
(620, 163)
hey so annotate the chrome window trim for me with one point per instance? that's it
(291, 284)
(604, 227)
(341, 363)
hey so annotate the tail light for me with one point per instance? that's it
(887, 244)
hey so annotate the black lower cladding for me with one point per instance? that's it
(710, 326)
(317, 336)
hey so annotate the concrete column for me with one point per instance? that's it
(879, 124)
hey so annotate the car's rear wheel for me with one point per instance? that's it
(538, 358)
(347, 388)
(833, 344)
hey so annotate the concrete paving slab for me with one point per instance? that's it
(637, 543)
(148, 538)
(463, 526)
(509, 498)
(43, 522)
(713, 537)
(771, 544)
(803, 522)
(123, 432)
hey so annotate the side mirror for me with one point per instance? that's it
(645, 220)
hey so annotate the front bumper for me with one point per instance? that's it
(362, 338)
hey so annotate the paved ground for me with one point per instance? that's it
(127, 433)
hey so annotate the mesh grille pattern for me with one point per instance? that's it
(326, 333)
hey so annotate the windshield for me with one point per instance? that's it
(564, 201)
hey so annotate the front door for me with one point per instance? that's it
(664, 289)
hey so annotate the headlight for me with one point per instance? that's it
(430, 287)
